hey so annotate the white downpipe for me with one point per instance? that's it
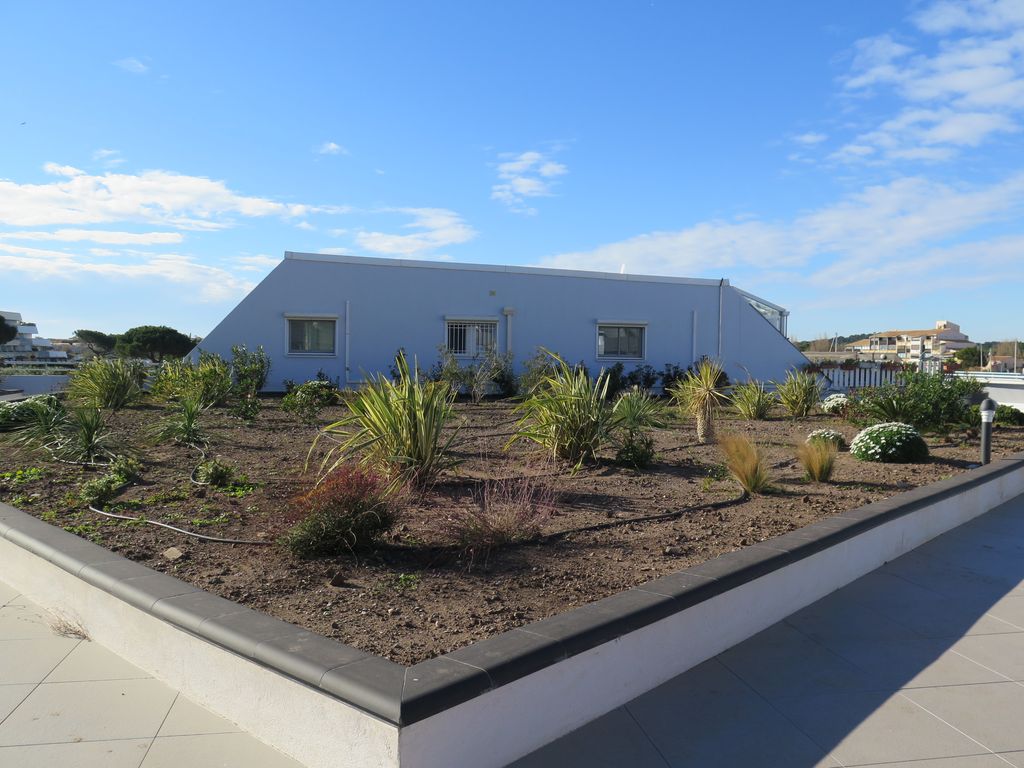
(348, 315)
(509, 313)
(721, 292)
(693, 340)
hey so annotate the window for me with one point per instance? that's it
(625, 341)
(472, 338)
(308, 336)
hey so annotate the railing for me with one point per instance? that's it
(846, 379)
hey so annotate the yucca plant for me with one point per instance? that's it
(799, 393)
(84, 438)
(396, 427)
(752, 401)
(566, 414)
(634, 414)
(35, 422)
(182, 425)
(746, 464)
(103, 383)
(818, 458)
(699, 394)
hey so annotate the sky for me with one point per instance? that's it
(858, 163)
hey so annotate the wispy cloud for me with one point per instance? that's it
(155, 197)
(433, 228)
(524, 176)
(810, 138)
(956, 92)
(108, 157)
(331, 148)
(258, 263)
(133, 65)
(96, 236)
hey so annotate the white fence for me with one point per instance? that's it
(845, 380)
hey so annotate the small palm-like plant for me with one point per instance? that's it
(818, 458)
(752, 401)
(567, 414)
(103, 383)
(396, 427)
(799, 393)
(634, 414)
(746, 464)
(699, 394)
(182, 425)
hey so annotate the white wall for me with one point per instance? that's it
(34, 385)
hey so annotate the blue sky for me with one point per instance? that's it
(859, 163)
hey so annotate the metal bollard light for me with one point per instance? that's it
(988, 415)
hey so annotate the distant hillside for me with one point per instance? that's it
(824, 345)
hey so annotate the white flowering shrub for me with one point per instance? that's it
(835, 405)
(827, 436)
(891, 443)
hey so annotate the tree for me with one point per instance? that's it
(99, 343)
(153, 341)
(7, 331)
(968, 357)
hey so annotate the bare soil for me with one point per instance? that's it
(415, 596)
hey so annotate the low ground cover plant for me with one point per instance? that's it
(889, 442)
(699, 395)
(396, 427)
(348, 510)
(746, 464)
(123, 471)
(799, 393)
(107, 383)
(752, 401)
(566, 414)
(214, 473)
(818, 458)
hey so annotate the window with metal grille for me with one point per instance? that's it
(472, 338)
(621, 341)
(311, 337)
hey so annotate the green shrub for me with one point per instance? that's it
(699, 395)
(891, 443)
(182, 425)
(671, 374)
(477, 377)
(616, 380)
(926, 401)
(752, 401)
(799, 393)
(250, 371)
(827, 436)
(1006, 415)
(307, 400)
(213, 472)
(746, 464)
(396, 427)
(566, 414)
(643, 376)
(818, 458)
(106, 383)
(348, 510)
(635, 413)
(126, 467)
(543, 365)
(207, 382)
(99, 491)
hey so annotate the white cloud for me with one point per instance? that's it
(258, 263)
(96, 236)
(305, 225)
(435, 228)
(957, 92)
(330, 148)
(133, 65)
(155, 197)
(109, 157)
(526, 175)
(206, 283)
(810, 138)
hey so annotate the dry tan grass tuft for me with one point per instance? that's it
(746, 464)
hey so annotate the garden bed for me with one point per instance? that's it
(417, 596)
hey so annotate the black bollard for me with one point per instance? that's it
(988, 414)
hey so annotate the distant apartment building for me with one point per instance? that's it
(941, 341)
(27, 346)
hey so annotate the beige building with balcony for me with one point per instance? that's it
(941, 341)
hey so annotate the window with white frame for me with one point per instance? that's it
(312, 335)
(471, 338)
(623, 341)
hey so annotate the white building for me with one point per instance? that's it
(941, 341)
(27, 347)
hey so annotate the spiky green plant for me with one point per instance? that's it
(107, 383)
(566, 413)
(182, 425)
(395, 426)
(634, 414)
(752, 401)
(746, 464)
(84, 437)
(799, 393)
(699, 394)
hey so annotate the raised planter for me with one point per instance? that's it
(328, 704)
(41, 384)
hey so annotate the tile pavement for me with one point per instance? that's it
(919, 664)
(69, 702)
